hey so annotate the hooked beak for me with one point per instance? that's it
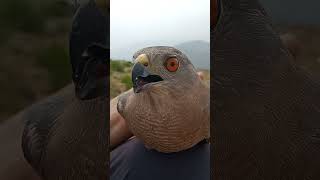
(141, 77)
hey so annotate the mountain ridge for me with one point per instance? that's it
(198, 51)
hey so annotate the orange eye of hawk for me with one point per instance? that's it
(172, 64)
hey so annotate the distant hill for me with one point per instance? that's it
(125, 52)
(198, 52)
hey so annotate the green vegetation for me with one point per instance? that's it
(126, 80)
(119, 66)
(34, 56)
(120, 77)
(29, 16)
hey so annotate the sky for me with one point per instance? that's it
(166, 21)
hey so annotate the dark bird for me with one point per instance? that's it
(66, 135)
(168, 108)
(266, 110)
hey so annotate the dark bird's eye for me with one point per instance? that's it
(172, 64)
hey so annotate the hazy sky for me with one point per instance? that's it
(136, 21)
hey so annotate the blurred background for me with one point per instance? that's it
(34, 41)
(34, 51)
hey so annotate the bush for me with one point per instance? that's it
(127, 64)
(126, 80)
(119, 66)
(116, 66)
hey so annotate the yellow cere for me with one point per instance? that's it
(142, 59)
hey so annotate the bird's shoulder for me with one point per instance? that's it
(38, 120)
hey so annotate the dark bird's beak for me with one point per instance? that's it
(141, 77)
(89, 51)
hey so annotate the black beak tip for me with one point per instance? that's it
(141, 77)
(138, 71)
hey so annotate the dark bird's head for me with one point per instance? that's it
(168, 108)
(89, 52)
